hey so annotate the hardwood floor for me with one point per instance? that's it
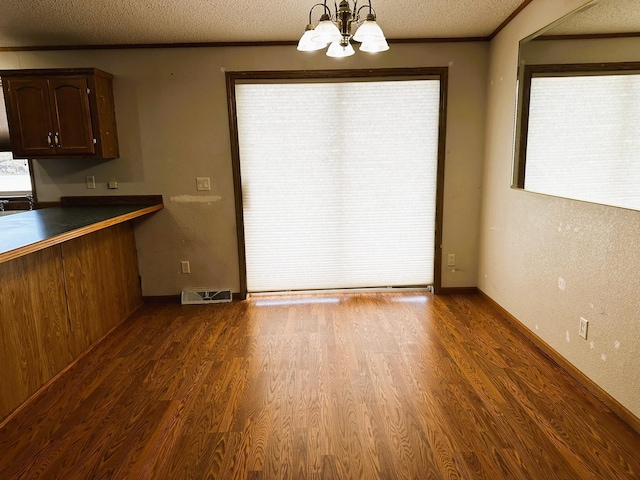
(385, 386)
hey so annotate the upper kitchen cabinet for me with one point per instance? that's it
(60, 113)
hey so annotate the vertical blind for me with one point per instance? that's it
(338, 183)
(583, 139)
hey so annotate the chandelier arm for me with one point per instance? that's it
(324, 5)
(371, 10)
(327, 10)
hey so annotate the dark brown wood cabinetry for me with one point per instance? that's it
(68, 276)
(60, 113)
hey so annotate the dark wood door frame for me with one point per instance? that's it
(441, 73)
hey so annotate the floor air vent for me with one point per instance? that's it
(193, 296)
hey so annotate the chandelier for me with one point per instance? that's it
(334, 30)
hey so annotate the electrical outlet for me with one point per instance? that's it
(582, 329)
(113, 185)
(185, 267)
(91, 181)
(203, 183)
(451, 260)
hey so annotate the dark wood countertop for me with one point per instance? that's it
(30, 231)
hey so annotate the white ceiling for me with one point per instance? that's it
(601, 17)
(107, 22)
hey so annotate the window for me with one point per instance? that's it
(581, 133)
(15, 179)
(338, 181)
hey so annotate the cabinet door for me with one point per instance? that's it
(30, 121)
(73, 134)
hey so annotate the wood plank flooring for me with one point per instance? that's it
(380, 386)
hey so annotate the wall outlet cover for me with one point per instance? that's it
(584, 326)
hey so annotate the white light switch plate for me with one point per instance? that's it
(203, 183)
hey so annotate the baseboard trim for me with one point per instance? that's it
(456, 290)
(161, 299)
(616, 407)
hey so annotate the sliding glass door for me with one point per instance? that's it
(338, 182)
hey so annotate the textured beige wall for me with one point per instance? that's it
(172, 117)
(593, 50)
(549, 261)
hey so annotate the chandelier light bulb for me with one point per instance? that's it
(369, 30)
(374, 46)
(326, 32)
(338, 50)
(306, 43)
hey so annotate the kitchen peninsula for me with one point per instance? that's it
(68, 276)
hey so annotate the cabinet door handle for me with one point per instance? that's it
(56, 140)
(49, 140)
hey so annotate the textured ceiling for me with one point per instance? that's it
(602, 16)
(105, 22)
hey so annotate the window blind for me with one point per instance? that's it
(583, 138)
(338, 183)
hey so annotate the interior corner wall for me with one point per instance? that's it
(171, 109)
(549, 261)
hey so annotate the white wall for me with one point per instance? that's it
(549, 261)
(171, 108)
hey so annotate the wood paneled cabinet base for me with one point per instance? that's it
(60, 113)
(57, 302)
